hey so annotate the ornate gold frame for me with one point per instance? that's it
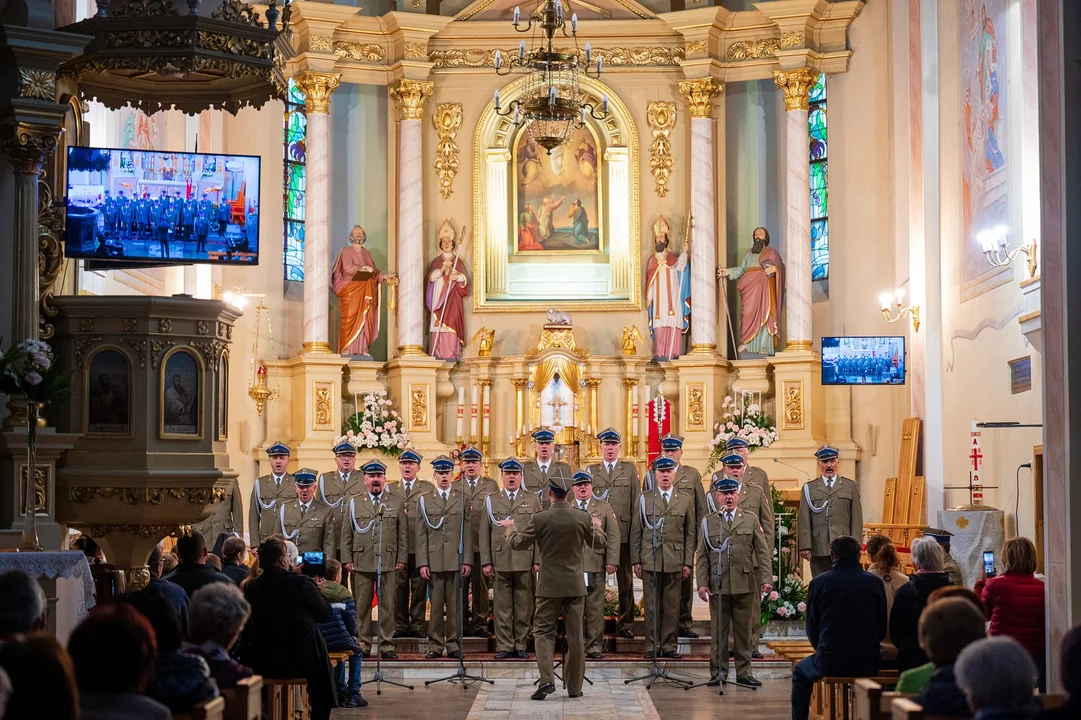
(91, 354)
(162, 435)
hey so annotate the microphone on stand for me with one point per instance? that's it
(382, 507)
(804, 472)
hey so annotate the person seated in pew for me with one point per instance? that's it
(340, 634)
(911, 599)
(998, 677)
(218, 613)
(946, 628)
(1069, 676)
(912, 682)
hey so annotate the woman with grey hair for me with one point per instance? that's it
(911, 599)
(217, 614)
(998, 678)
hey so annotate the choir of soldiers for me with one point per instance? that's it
(164, 218)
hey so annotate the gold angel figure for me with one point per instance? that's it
(630, 337)
(487, 339)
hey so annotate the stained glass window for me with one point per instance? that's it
(294, 136)
(818, 153)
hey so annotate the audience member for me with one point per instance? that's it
(1015, 600)
(182, 681)
(42, 679)
(959, 591)
(219, 544)
(169, 561)
(949, 565)
(114, 654)
(5, 691)
(282, 639)
(846, 621)
(234, 553)
(946, 628)
(253, 572)
(340, 634)
(214, 561)
(911, 599)
(193, 573)
(170, 591)
(218, 614)
(914, 680)
(22, 604)
(292, 554)
(886, 564)
(998, 677)
(94, 554)
(1070, 676)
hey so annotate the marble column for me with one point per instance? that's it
(496, 162)
(410, 96)
(796, 84)
(317, 88)
(699, 94)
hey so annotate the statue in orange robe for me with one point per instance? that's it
(356, 281)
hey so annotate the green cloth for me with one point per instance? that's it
(335, 592)
(912, 682)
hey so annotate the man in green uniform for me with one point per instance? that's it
(412, 588)
(668, 514)
(536, 472)
(616, 482)
(734, 536)
(476, 489)
(689, 481)
(228, 516)
(597, 564)
(369, 559)
(511, 569)
(560, 534)
(829, 507)
(439, 526)
(308, 523)
(336, 486)
(754, 474)
(269, 491)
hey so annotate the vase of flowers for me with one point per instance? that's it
(788, 600)
(744, 418)
(376, 426)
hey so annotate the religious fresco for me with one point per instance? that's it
(985, 170)
(557, 206)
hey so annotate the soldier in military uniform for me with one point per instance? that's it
(333, 486)
(269, 491)
(949, 565)
(125, 211)
(560, 535)
(669, 513)
(109, 212)
(412, 588)
(597, 564)
(142, 215)
(360, 546)
(753, 475)
(689, 481)
(535, 473)
(746, 571)
(308, 523)
(829, 507)
(510, 569)
(176, 214)
(204, 214)
(476, 489)
(439, 526)
(616, 482)
(187, 217)
(228, 516)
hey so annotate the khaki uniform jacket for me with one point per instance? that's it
(437, 547)
(536, 481)
(418, 488)
(315, 529)
(953, 570)
(262, 523)
(359, 548)
(559, 534)
(754, 501)
(689, 481)
(494, 549)
(843, 515)
(675, 538)
(475, 505)
(331, 488)
(228, 516)
(757, 476)
(594, 558)
(620, 489)
(745, 564)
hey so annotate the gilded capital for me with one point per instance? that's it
(796, 85)
(27, 146)
(317, 88)
(411, 95)
(699, 95)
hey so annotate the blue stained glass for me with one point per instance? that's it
(294, 151)
(817, 132)
(819, 186)
(820, 249)
(817, 93)
(817, 154)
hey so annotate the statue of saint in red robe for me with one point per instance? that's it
(356, 281)
(447, 290)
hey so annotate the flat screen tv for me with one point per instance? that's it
(149, 206)
(866, 360)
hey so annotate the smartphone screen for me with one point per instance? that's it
(314, 558)
(989, 563)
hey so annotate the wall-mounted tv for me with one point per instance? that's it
(161, 207)
(864, 360)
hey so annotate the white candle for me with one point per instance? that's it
(634, 412)
(643, 411)
(487, 409)
(498, 61)
(473, 415)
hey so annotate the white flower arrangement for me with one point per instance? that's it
(375, 426)
(744, 420)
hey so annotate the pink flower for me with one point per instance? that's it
(33, 378)
(802, 607)
(782, 611)
(773, 595)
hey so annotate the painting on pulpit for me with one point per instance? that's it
(108, 410)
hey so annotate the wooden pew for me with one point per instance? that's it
(905, 709)
(791, 650)
(245, 701)
(283, 697)
(870, 701)
(210, 710)
(833, 697)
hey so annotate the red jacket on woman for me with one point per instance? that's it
(1015, 602)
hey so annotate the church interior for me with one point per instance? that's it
(443, 225)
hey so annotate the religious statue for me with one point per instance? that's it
(668, 294)
(631, 336)
(486, 336)
(559, 317)
(357, 282)
(447, 283)
(760, 283)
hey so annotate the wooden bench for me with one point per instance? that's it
(284, 695)
(210, 710)
(870, 701)
(906, 709)
(791, 650)
(245, 701)
(832, 698)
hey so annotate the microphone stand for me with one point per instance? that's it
(460, 675)
(378, 677)
(656, 672)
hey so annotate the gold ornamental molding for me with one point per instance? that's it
(447, 121)
(792, 396)
(144, 531)
(612, 57)
(753, 49)
(796, 85)
(696, 406)
(27, 146)
(696, 47)
(146, 496)
(411, 95)
(321, 43)
(416, 51)
(699, 95)
(557, 338)
(322, 411)
(661, 117)
(38, 84)
(317, 88)
(792, 39)
(418, 407)
(361, 52)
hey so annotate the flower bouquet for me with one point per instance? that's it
(375, 426)
(745, 420)
(788, 600)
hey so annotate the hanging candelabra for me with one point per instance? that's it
(258, 389)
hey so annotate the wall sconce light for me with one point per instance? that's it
(903, 310)
(996, 249)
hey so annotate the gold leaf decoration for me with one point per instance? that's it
(447, 121)
(363, 52)
(416, 51)
(321, 43)
(793, 39)
(39, 84)
(617, 56)
(661, 117)
(696, 47)
(754, 49)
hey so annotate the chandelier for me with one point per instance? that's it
(551, 103)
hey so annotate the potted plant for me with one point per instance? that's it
(744, 419)
(375, 426)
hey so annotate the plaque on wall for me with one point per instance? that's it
(1021, 375)
(108, 396)
(181, 398)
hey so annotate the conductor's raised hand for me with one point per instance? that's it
(506, 522)
(637, 570)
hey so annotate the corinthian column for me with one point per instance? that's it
(317, 88)
(699, 95)
(797, 303)
(410, 96)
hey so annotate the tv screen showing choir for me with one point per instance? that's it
(167, 207)
(863, 360)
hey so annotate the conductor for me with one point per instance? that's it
(560, 533)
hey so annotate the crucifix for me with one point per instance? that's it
(557, 403)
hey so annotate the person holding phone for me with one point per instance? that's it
(309, 524)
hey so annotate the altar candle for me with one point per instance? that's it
(487, 409)
(644, 411)
(473, 415)
(461, 411)
(634, 412)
